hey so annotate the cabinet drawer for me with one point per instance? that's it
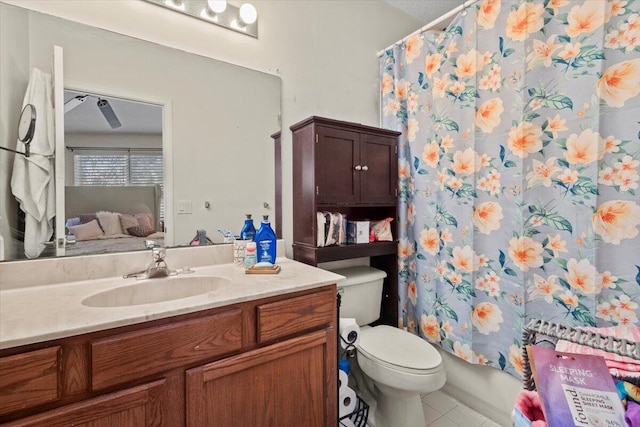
(285, 318)
(138, 406)
(29, 379)
(133, 355)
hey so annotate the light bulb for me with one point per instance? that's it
(217, 6)
(248, 13)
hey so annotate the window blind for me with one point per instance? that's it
(119, 168)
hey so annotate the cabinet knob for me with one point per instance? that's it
(358, 167)
(365, 168)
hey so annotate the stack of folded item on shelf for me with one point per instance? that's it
(331, 229)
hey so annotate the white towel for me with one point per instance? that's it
(32, 181)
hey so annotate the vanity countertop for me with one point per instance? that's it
(35, 314)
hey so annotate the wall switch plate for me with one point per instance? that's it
(184, 206)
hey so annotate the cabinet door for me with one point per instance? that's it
(291, 383)
(140, 406)
(379, 174)
(338, 155)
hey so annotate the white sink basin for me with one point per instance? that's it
(153, 291)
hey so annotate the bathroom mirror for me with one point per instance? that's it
(217, 118)
(27, 126)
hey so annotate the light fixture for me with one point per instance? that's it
(175, 4)
(217, 6)
(248, 14)
(243, 19)
(103, 105)
(74, 102)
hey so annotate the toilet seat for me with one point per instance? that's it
(380, 344)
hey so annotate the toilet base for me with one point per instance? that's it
(395, 411)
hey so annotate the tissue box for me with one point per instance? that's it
(357, 231)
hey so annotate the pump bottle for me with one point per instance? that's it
(265, 239)
(248, 231)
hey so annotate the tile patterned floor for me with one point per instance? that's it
(441, 410)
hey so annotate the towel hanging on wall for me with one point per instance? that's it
(32, 181)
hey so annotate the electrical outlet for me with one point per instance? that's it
(184, 206)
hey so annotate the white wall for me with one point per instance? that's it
(487, 390)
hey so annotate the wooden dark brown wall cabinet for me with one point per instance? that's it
(352, 169)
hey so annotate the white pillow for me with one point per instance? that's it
(87, 231)
(110, 223)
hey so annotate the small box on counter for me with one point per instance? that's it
(357, 231)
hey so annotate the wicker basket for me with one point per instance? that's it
(537, 327)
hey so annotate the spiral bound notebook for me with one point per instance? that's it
(576, 389)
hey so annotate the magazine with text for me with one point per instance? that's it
(576, 389)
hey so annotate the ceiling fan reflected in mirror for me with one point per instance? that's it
(103, 105)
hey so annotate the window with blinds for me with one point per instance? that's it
(119, 168)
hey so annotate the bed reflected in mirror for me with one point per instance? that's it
(114, 177)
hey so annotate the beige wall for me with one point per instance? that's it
(14, 57)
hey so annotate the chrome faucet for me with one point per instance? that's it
(157, 268)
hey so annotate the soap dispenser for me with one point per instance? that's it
(265, 239)
(248, 231)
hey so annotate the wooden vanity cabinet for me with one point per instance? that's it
(269, 362)
(352, 169)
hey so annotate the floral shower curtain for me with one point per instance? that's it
(519, 176)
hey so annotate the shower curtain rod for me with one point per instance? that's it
(432, 24)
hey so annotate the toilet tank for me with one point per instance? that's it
(361, 293)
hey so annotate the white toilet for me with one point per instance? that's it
(401, 365)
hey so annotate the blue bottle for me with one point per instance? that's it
(265, 239)
(248, 231)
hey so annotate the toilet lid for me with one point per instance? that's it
(399, 348)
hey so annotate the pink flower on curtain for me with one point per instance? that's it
(525, 252)
(585, 18)
(555, 125)
(413, 48)
(581, 275)
(525, 20)
(387, 83)
(616, 220)
(515, 358)
(487, 217)
(465, 162)
(584, 148)
(524, 139)
(430, 240)
(432, 64)
(543, 173)
(431, 154)
(619, 83)
(488, 13)
(430, 327)
(544, 288)
(488, 115)
(462, 259)
(487, 317)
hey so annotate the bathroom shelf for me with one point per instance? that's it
(307, 253)
(358, 417)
